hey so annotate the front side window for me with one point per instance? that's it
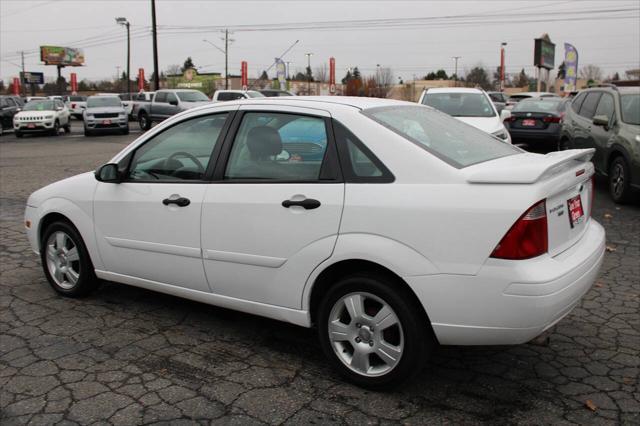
(171, 97)
(161, 97)
(588, 108)
(576, 103)
(606, 107)
(180, 153)
(278, 146)
(445, 137)
(459, 104)
(630, 108)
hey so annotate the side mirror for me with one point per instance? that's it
(174, 103)
(108, 173)
(504, 114)
(601, 120)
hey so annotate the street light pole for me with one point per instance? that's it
(123, 21)
(455, 72)
(226, 56)
(309, 73)
(156, 71)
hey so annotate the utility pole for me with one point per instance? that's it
(226, 59)
(309, 73)
(455, 72)
(124, 22)
(22, 88)
(156, 72)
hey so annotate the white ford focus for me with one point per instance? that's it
(388, 225)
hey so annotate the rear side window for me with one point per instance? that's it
(447, 138)
(588, 107)
(358, 163)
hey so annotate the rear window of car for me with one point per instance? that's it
(460, 104)
(445, 137)
(539, 105)
(77, 98)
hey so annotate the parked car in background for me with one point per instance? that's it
(413, 229)
(33, 98)
(232, 95)
(471, 106)
(517, 97)
(499, 99)
(608, 119)
(105, 114)
(138, 99)
(127, 102)
(275, 92)
(168, 102)
(76, 105)
(42, 116)
(8, 108)
(537, 121)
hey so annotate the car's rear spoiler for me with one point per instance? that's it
(526, 167)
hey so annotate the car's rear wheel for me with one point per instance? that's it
(66, 261)
(619, 180)
(372, 332)
(143, 121)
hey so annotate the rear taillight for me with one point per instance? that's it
(73, 106)
(552, 119)
(527, 237)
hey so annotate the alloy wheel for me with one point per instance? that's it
(617, 180)
(63, 260)
(366, 334)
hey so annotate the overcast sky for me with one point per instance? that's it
(415, 38)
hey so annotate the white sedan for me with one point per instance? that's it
(390, 226)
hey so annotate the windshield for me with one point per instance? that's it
(103, 101)
(630, 108)
(253, 94)
(449, 139)
(460, 104)
(540, 105)
(39, 106)
(192, 96)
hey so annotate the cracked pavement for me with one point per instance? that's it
(130, 356)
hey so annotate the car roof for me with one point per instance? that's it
(319, 102)
(453, 90)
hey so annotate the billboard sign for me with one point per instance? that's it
(570, 67)
(245, 78)
(63, 56)
(544, 53)
(32, 77)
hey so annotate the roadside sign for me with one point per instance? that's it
(245, 77)
(74, 83)
(32, 77)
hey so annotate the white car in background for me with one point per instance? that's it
(76, 105)
(389, 225)
(42, 116)
(232, 95)
(471, 106)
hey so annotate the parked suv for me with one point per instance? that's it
(105, 114)
(608, 119)
(8, 108)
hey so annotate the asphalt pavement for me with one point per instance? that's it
(131, 356)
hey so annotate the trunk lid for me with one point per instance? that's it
(562, 179)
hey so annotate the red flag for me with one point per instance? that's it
(245, 79)
(74, 82)
(140, 79)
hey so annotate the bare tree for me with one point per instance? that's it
(591, 72)
(385, 81)
(321, 73)
(174, 69)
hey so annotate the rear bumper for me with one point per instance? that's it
(551, 134)
(511, 302)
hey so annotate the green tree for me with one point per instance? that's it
(478, 76)
(188, 63)
(264, 75)
(308, 74)
(347, 77)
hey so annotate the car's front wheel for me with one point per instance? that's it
(144, 122)
(66, 261)
(619, 180)
(56, 128)
(372, 331)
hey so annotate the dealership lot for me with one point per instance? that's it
(127, 355)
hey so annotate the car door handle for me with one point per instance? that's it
(307, 203)
(180, 202)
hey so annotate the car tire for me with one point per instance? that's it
(144, 122)
(372, 352)
(66, 261)
(125, 131)
(18, 134)
(56, 128)
(619, 180)
(87, 132)
(564, 144)
(67, 128)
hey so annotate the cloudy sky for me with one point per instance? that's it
(411, 37)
